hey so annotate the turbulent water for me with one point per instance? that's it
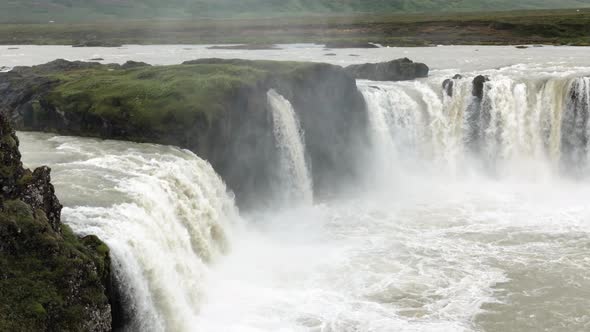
(517, 127)
(163, 212)
(475, 216)
(294, 172)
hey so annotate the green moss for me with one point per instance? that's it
(40, 273)
(154, 100)
(26, 178)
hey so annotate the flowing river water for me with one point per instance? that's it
(475, 216)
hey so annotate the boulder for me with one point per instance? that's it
(396, 70)
(478, 85)
(449, 84)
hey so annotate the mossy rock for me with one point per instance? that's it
(160, 98)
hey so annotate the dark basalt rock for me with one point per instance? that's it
(396, 70)
(49, 279)
(478, 84)
(449, 84)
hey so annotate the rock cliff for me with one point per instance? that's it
(50, 280)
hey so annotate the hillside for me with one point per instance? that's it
(32, 11)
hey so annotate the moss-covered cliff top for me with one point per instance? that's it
(153, 97)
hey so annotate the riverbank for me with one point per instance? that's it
(551, 27)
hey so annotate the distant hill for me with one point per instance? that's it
(99, 10)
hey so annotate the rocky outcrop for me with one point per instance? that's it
(396, 70)
(216, 108)
(449, 84)
(478, 85)
(50, 280)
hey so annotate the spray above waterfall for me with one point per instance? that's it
(296, 184)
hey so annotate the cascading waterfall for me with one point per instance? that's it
(164, 213)
(294, 172)
(575, 131)
(514, 125)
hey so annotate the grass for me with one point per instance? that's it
(49, 279)
(157, 99)
(39, 269)
(515, 27)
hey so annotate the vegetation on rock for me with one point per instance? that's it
(50, 280)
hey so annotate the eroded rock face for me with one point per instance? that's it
(396, 70)
(49, 279)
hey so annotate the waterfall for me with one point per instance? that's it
(296, 182)
(516, 125)
(575, 125)
(164, 213)
(393, 120)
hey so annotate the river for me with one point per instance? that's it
(464, 225)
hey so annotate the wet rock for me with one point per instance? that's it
(449, 84)
(478, 85)
(396, 70)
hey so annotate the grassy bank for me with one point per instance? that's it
(516, 27)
